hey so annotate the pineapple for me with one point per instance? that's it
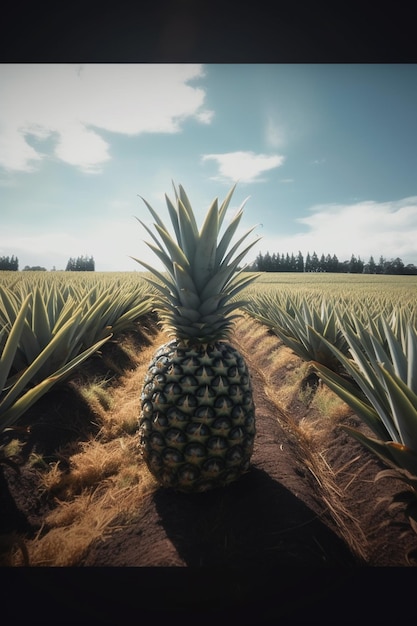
(197, 420)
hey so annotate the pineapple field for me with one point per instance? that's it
(75, 489)
(207, 416)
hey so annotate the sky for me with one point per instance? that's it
(325, 156)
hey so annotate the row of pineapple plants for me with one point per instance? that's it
(368, 359)
(49, 325)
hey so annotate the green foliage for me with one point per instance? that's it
(48, 328)
(301, 325)
(367, 354)
(196, 293)
(277, 262)
(81, 264)
(385, 394)
(9, 263)
(384, 368)
(18, 391)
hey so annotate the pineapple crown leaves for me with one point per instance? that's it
(202, 273)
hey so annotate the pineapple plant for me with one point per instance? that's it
(197, 417)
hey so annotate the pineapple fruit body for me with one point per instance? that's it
(197, 421)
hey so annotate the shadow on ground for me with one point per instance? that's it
(255, 522)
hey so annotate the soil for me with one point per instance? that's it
(307, 508)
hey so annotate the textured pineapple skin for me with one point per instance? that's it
(197, 420)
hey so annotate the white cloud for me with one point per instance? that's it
(94, 148)
(243, 166)
(205, 117)
(274, 133)
(363, 229)
(15, 153)
(72, 102)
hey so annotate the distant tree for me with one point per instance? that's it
(299, 262)
(9, 263)
(335, 264)
(394, 266)
(258, 264)
(410, 269)
(287, 263)
(370, 267)
(355, 265)
(314, 262)
(267, 262)
(80, 264)
(277, 262)
(379, 269)
(35, 268)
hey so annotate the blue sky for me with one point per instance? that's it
(327, 154)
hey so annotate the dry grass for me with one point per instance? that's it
(106, 480)
(283, 374)
(91, 514)
(329, 405)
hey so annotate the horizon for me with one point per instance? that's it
(344, 261)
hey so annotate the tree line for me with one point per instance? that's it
(9, 263)
(277, 262)
(79, 264)
(267, 262)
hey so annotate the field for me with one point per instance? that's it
(352, 288)
(75, 492)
